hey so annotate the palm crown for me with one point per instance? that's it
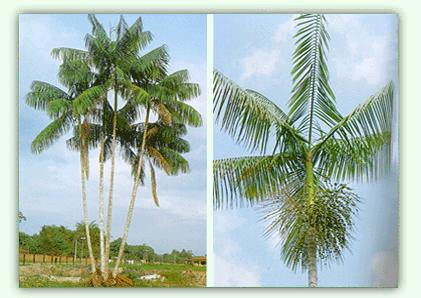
(312, 144)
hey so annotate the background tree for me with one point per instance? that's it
(94, 231)
(310, 144)
(29, 243)
(56, 240)
(21, 217)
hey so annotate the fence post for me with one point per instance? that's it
(52, 259)
(33, 258)
(43, 259)
(24, 257)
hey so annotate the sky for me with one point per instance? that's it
(255, 51)
(49, 183)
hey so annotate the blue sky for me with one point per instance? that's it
(49, 184)
(255, 51)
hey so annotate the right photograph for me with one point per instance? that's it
(306, 150)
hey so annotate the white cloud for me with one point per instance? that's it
(284, 31)
(40, 34)
(231, 270)
(234, 273)
(264, 61)
(384, 266)
(260, 62)
(364, 56)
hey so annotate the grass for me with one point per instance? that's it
(173, 275)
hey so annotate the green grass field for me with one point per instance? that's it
(67, 276)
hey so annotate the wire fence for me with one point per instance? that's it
(28, 258)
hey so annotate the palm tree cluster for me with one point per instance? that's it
(148, 129)
(300, 184)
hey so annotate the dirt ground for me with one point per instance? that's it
(139, 275)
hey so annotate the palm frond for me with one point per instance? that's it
(245, 181)
(179, 145)
(58, 107)
(92, 137)
(138, 95)
(177, 77)
(358, 147)
(76, 75)
(87, 99)
(312, 98)
(132, 40)
(176, 162)
(70, 54)
(42, 93)
(174, 90)
(97, 28)
(100, 52)
(184, 113)
(51, 133)
(247, 116)
(152, 65)
(130, 111)
(122, 27)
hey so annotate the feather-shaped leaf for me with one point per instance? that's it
(42, 93)
(312, 98)
(51, 133)
(249, 180)
(358, 147)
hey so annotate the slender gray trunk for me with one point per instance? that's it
(101, 207)
(312, 261)
(311, 233)
(110, 196)
(133, 196)
(84, 200)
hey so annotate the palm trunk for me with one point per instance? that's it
(311, 237)
(133, 196)
(101, 206)
(110, 196)
(312, 261)
(84, 200)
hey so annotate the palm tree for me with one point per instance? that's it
(69, 109)
(112, 59)
(165, 96)
(164, 143)
(312, 143)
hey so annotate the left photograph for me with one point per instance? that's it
(112, 150)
